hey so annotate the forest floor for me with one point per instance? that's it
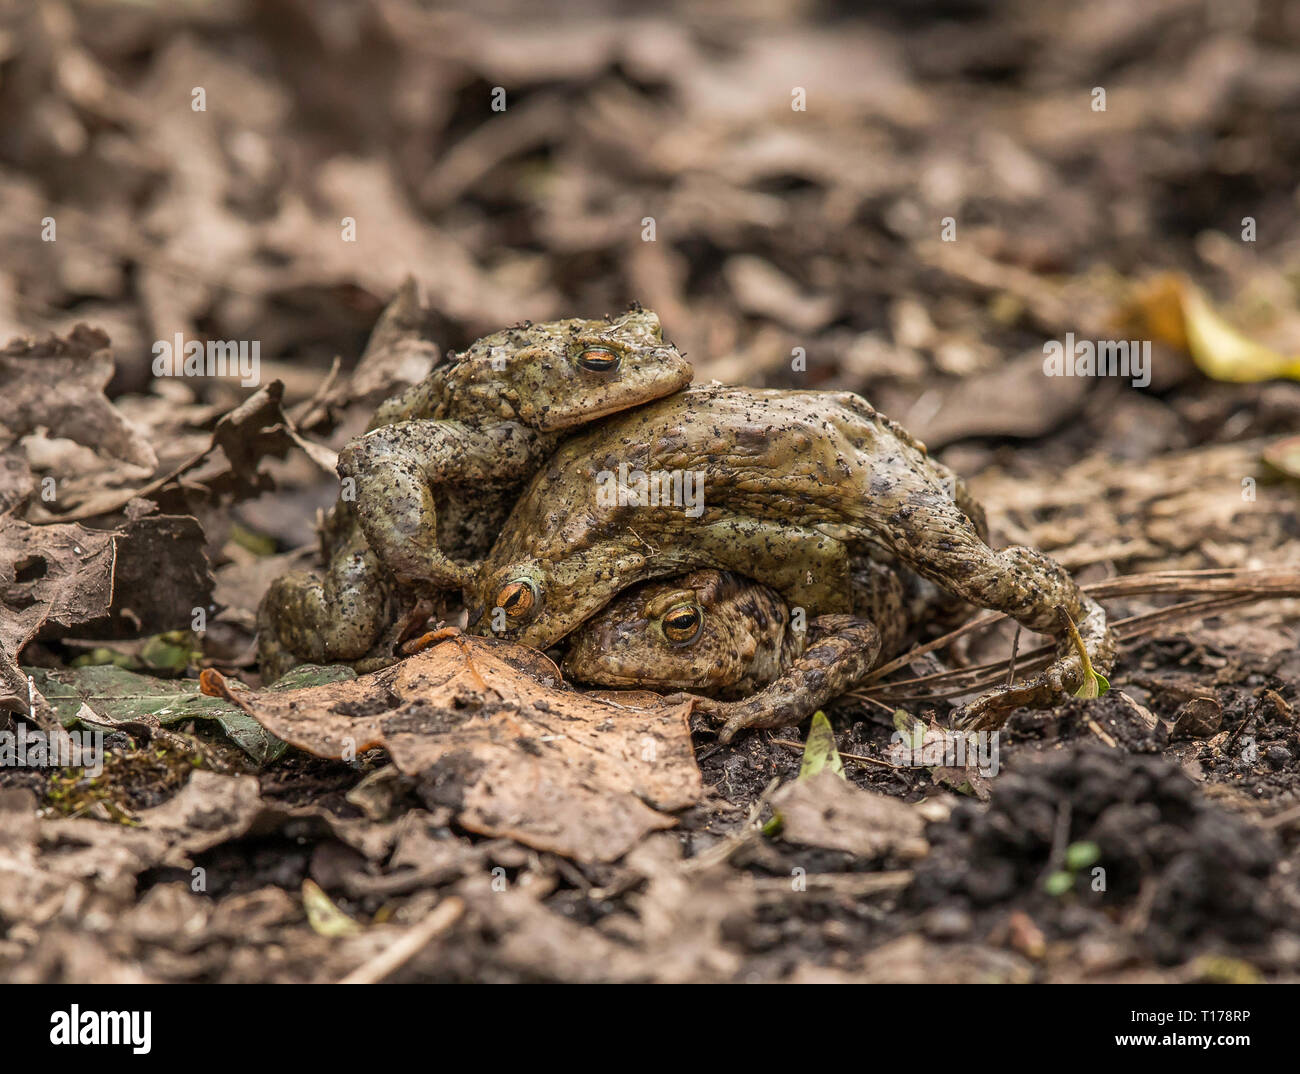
(951, 198)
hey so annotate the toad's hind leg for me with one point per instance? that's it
(843, 649)
(881, 594)
(306, 617)
(398, 471)
(933, 536)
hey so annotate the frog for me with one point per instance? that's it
(787, 487)
(427, 485)
(748, 659)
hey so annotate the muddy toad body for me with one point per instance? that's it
(440, 466)
(787, 486)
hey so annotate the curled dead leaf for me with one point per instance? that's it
(491, 731)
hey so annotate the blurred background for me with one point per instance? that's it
(773, 228)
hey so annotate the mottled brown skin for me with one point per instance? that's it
(739, 636)
(729, 637)
(439, 468)
(785, 474)
(841, 649)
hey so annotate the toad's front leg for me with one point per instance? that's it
(401, 470)
(843, 649)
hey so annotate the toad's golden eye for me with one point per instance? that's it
(683, 623)
(518, 598)
(599, 359)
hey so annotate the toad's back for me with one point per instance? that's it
(800, 457)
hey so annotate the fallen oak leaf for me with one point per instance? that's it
(528, 758)
(58, 580)
(61, 575)
(49, 575)
(161, 573)
(330, 738)
(445, 633)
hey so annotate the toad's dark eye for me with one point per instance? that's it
(682, 624)
(599, 359)
(518, 598)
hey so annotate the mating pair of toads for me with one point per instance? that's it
(825, 538)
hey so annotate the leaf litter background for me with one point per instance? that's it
(775, 230)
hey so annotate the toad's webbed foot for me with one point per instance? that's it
(1060, 679)
(844, 648)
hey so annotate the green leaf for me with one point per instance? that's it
(1094, 684)
(1058, 883)
(910, 727)
(323, 916)
(170, 652)
(121, 695)
(1079, 856)
(312, 675)
(819, 751)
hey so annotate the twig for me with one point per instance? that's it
(838, 883)
(750, 833)
(409, 944)
(965, 680)
(846, 756)
(1232, 742)
(1281, 820)
(1060, 838)
(1239, 585)
(1100, 732)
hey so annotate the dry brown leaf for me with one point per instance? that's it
(48, 574)
(491, 731)
(826, 811)
(398, 354)
(1014, 399)
(57, 384)
(254, 429)
(40, 861)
